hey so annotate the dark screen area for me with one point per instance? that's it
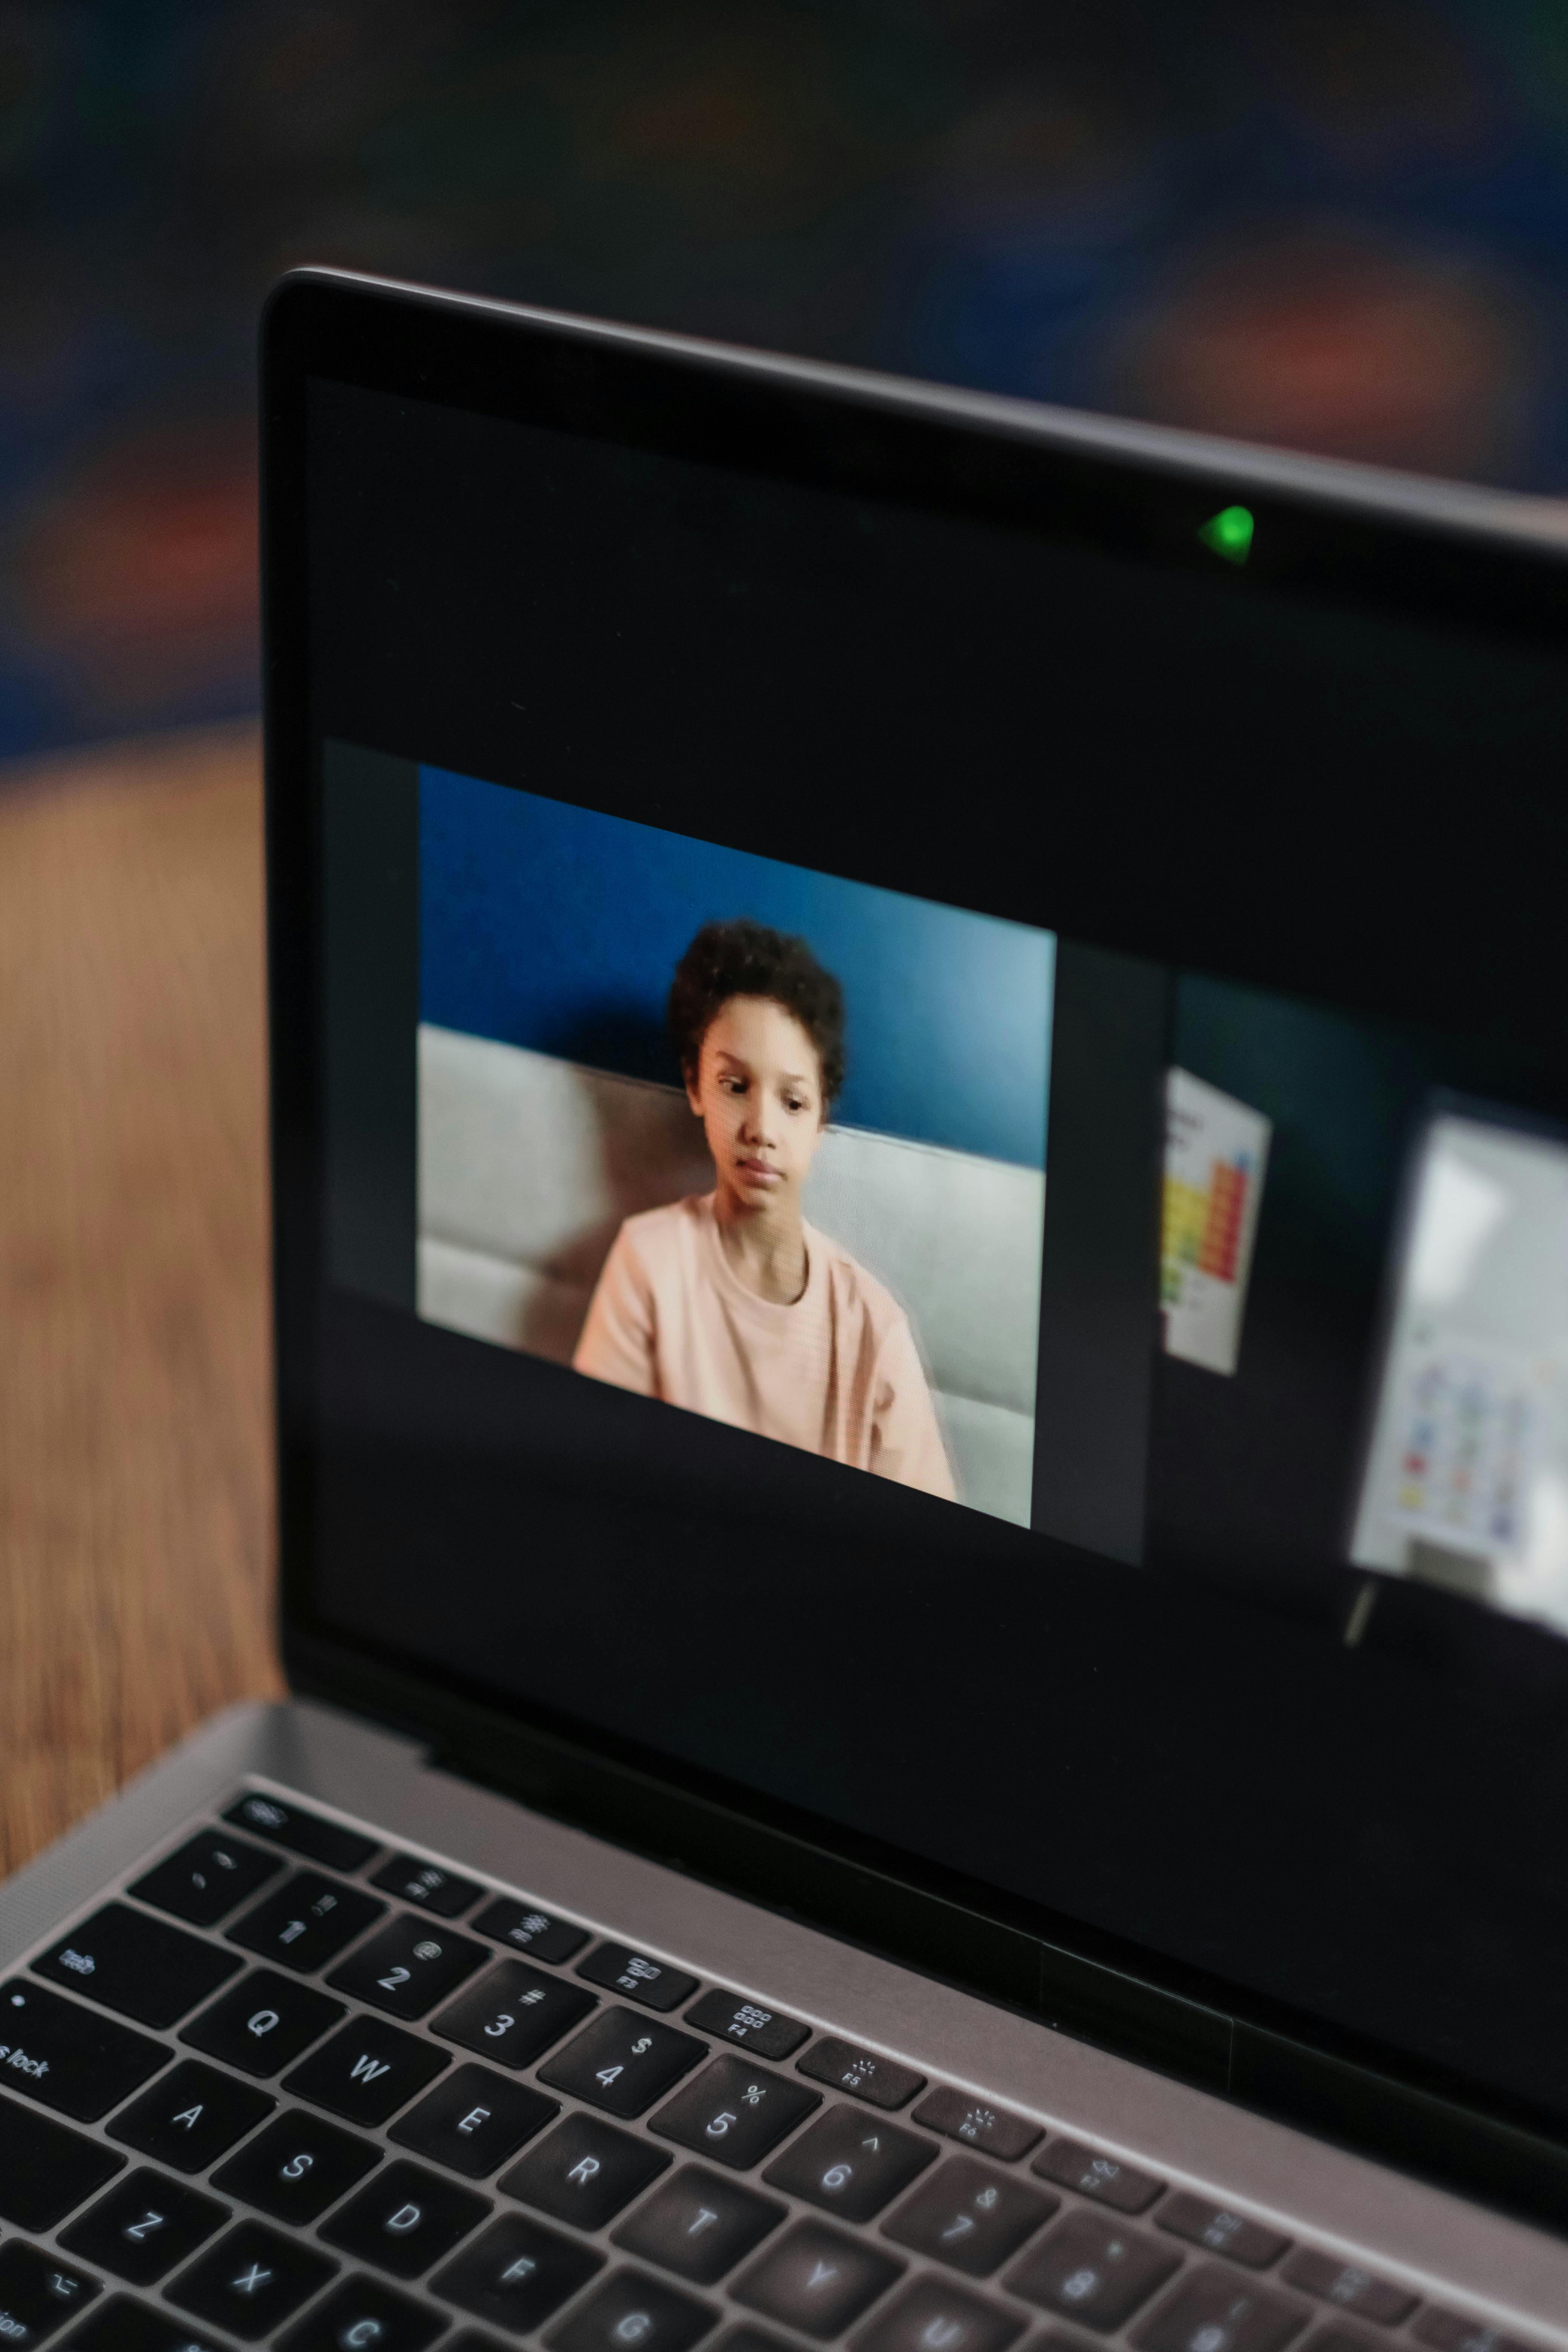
(1237, 811)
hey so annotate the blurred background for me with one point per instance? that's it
(1335, 224)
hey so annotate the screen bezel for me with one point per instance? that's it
(1422, 551)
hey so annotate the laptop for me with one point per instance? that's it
(921, 1158)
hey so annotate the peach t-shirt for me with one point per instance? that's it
(836, 1372)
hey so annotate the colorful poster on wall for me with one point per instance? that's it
(1217, 1151)
(1467, 1468)
(1471, 1427)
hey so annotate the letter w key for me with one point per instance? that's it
(366, 2071)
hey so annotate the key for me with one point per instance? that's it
(1100, 2176)
(734, 2111)
(994, 2130)
(66, 2056)
(929, 2316)
(367, 2071)
(1214, 2311)
(39, 2292)
(1449, 2331)
(145, 2226)
(816, 2280)
(474, 2120)
(406, 2218)
(529, 1929)
(1092, 2269)
(630, 2309)
(970, 2215)
(366, 2311)
(514, 2013)
(1350, 2287)
(141, 1967)
(407, 1967)
(699, 2224)
(297, 2167)
(1223, 2231)
(584, 2171)
(251, 2281)
(306, 1922)
(653, 1982)
(190, 2117)
(208, 1877)
(122, 2326)
(45, 2169)
(745, 2339)
(623, 2063)
(428, 1884)
(516, 2274)
(263, 2023)
(302, 1832)
(763, 2031)
(878, 2080)
(851, 2163)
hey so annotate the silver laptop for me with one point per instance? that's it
(921, 1160)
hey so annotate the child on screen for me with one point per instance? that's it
(730, 1303)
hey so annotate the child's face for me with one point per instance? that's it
(758, 1092)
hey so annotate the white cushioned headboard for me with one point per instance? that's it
(527, 1164)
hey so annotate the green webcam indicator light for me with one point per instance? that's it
(1229, 533)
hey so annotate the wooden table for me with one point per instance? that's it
(135, 1508)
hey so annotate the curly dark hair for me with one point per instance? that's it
(747, 959)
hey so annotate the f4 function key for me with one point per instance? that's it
(761, 2031)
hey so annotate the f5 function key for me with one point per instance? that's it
(880, 2081)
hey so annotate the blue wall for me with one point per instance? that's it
(553, 927)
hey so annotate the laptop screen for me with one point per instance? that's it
(943, 1206)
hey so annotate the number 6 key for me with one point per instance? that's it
(851, 2163)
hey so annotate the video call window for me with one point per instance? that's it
(751, 1140)
(747, 1142)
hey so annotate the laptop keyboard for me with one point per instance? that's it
(322, 2116)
